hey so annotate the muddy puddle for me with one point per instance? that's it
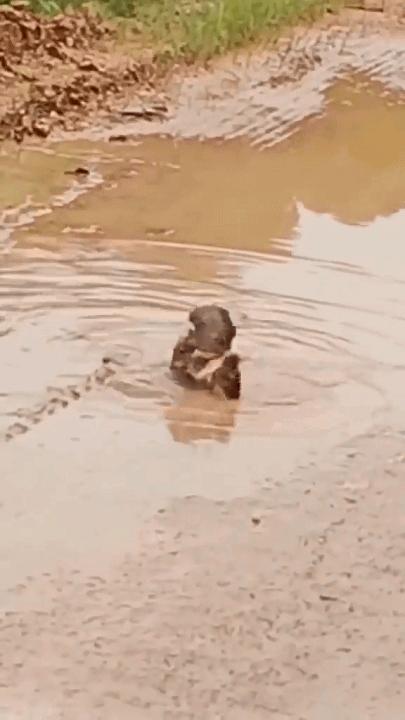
(302, 242)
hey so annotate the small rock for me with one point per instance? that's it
(89, 65)
(149, 112)
(20, 4)
(117, 138)
(78, 172)
(41, 127)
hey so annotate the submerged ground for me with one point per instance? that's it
(164, 554)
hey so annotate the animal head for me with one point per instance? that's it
(213, 329)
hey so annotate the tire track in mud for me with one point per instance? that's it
(59, 398)
(264, 95)
(269, 105)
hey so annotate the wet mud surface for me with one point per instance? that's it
(230, 608)
(165, 554)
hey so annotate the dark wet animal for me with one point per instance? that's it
(213, 329)
(203, 359)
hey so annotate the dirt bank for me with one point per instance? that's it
(61, 71)
(70, 71)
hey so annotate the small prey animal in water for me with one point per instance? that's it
(202, 358)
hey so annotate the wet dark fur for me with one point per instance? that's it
(227, 379)
(213, 329)
(210, 338)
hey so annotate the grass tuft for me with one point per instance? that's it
(198, 29)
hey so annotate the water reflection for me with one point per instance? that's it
(348, 162)
(352, 160)
(195, 415)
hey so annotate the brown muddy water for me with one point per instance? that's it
(303, 242)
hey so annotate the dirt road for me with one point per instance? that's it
(285, 604)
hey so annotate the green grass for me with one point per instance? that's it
(198, 29)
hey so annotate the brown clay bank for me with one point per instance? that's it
(63, 71)
(54, 71)
(71, 70)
